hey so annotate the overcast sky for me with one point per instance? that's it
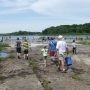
(36, 15)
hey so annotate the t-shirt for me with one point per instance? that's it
(44, 52)
(52, 45)
(74, 44)
(25, 45)
(61, 46)
(18, 43)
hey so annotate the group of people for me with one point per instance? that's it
(57, 50)
(22, 46)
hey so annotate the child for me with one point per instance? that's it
(74, 47)
(45, 53)
(26, 47)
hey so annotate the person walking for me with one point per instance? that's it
(45, 54)
(74, 47)
(18, 48)
(25, 47)
(61, 50)
(52, 48)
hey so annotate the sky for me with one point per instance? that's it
(36, 15)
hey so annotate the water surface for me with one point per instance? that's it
(3, 54)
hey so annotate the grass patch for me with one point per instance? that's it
(1, 59)
(2, 79)
(46, 85)
(84, 42)
(76, 77)
(33, 64)
(3, 46)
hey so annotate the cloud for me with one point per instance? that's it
(61, 7)
(14, 6)
(39, 14)
(44, 6)
(14, 3)
(58, 8)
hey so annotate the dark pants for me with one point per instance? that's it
(26, 51)
(18, 49)
(74, 50)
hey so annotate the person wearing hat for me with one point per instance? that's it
(61, 49)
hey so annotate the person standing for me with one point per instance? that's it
(45, 54)
(74, 47)
(25, 47)
(18, 48)
(61, 50)
(52, 48)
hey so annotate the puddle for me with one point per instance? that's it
(3, 54)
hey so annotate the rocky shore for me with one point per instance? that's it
(20, 74)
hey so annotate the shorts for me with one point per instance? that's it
(61, 56)
(52, 53)
(26, 51)
(18, 50)
(44, 57)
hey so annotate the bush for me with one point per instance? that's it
(3, 46)
(84, 42)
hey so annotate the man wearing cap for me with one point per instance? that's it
(61, 49)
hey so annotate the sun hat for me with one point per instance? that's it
(60, 36)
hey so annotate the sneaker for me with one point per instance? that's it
(27, 58)
(19, 57)
(63, 71)
(59, 69)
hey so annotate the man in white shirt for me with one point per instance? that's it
(61, 49)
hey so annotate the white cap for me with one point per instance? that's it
(60, 36)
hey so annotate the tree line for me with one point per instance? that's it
(24, 33)
(62, 29)
(68, 29)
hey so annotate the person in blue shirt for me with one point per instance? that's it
(52, 48)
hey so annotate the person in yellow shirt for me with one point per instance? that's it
(25, 47)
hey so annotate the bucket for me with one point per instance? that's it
(68, 60)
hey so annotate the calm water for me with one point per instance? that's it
(3, 54)
(35, 38)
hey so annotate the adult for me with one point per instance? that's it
(61, 50)
(18, 48)
(52, 48)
